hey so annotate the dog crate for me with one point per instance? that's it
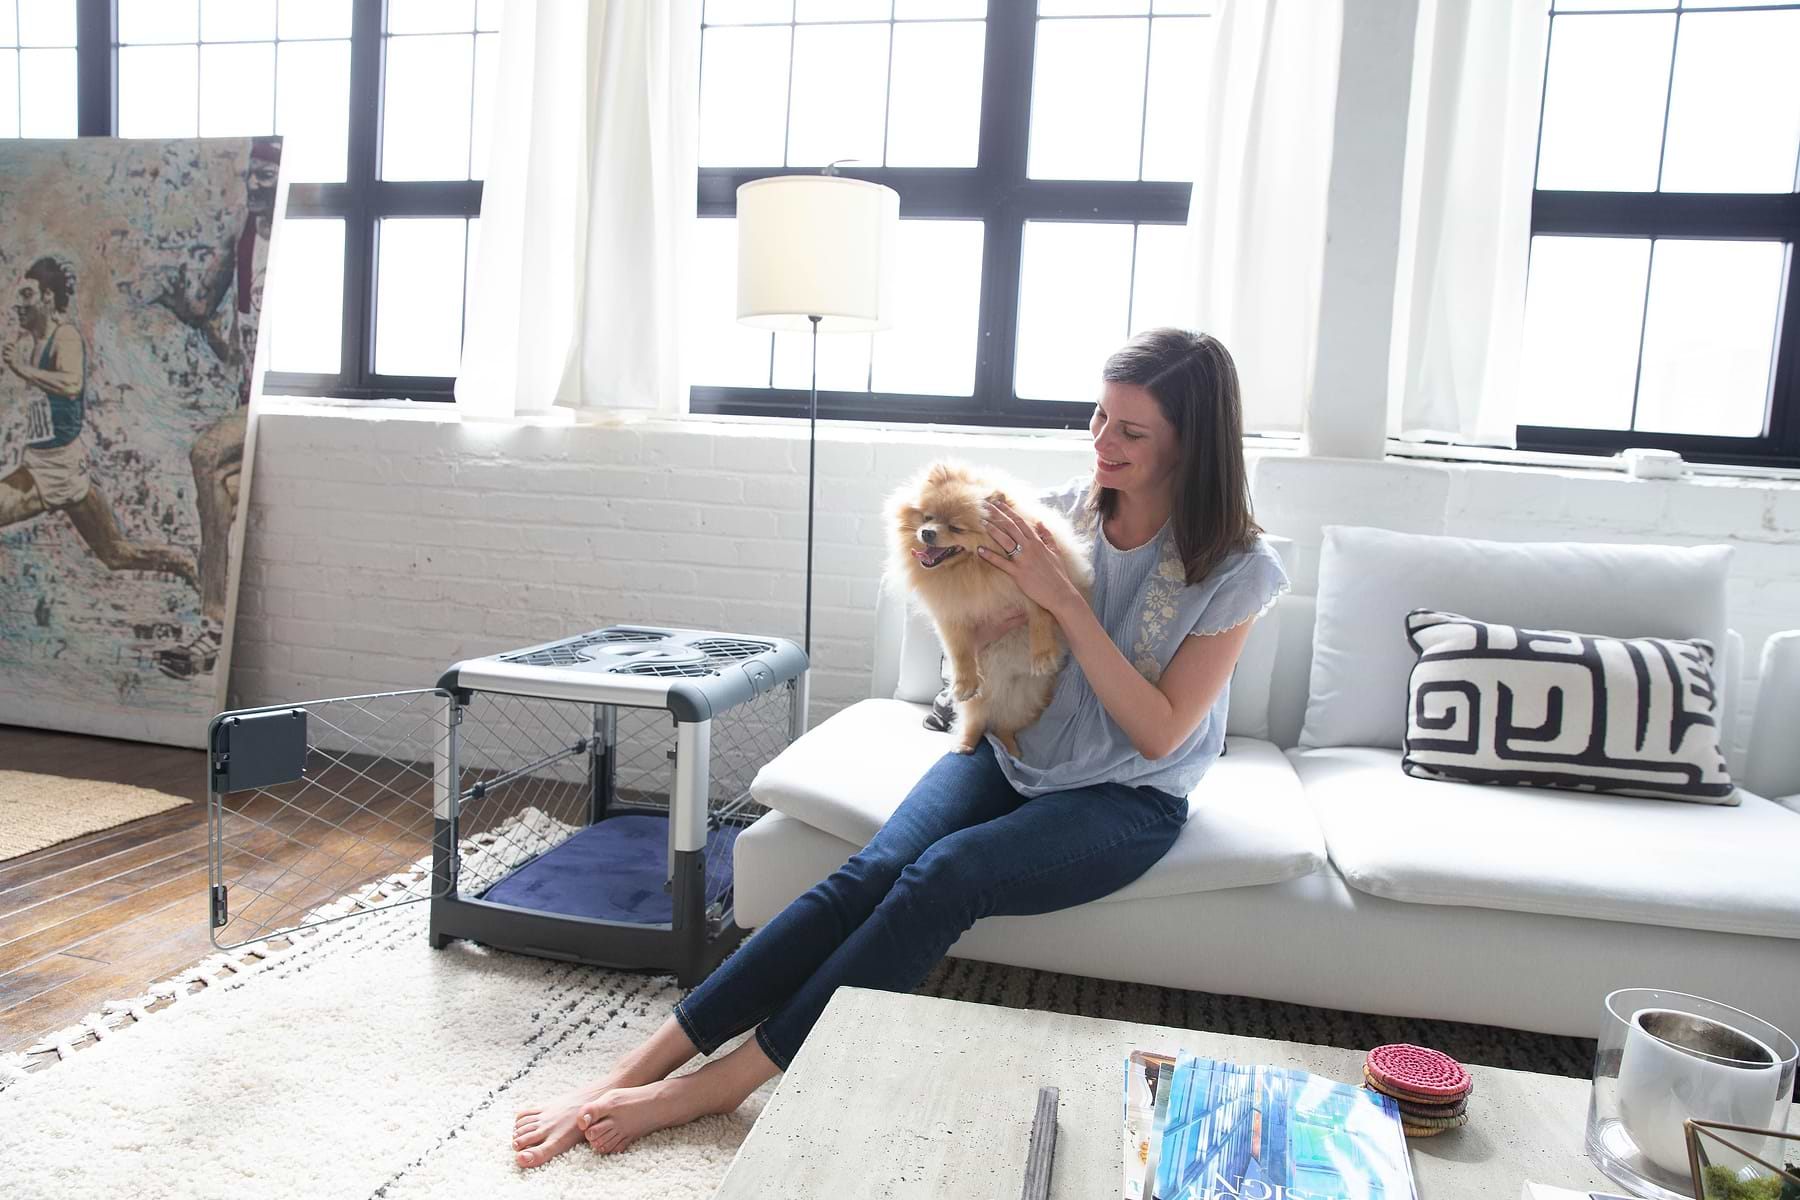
(576, 800)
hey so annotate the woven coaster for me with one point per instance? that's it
(1418, 1072)
(1410, 1108)
(1414, 1131)
(1406, 1097)
(1436, 1123)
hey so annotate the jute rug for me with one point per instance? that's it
(360, 1062)
(41, 810)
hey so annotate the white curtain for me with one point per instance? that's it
(1465, 224)
(1257, 218)
(588, 211)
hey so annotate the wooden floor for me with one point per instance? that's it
(104, 916)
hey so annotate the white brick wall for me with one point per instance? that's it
(385, 544)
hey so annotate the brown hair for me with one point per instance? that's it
(1195, 383)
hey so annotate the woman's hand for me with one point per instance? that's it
(989, 632)
(1036, 566)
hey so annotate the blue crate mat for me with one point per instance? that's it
(613, 871)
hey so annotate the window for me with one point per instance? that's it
(1043, 183)
(37, 68)
(1663, 308)
(382, 108)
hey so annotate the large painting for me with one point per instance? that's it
(127, 364)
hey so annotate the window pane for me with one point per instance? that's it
(1074, 296)
(840, 94)
(237, 89)
(732, 12)
(474, 242)
(1091, 8)
(719, 351)
(158, 91)
(312, 110)
(1162, 291)
(237, 20)
(841, 10)
(934, 102)
(1087, 99)
(430, 16)
(1604, 92)
(1734, 112)
(915, 10)
(487, 15)
(487, 65)
(418, 296)
(1584, 307)
(9, 93)
(157, 21)
(9, 26)
(1579, 5)
(937, 312)
(306, 297)
(315, 18)
(47, 23)
(1198, 7)
(843, 361)
(1178, 51)
(47, 83)
(425, 122)
(1709, 337)
(743, 96)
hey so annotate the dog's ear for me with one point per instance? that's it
(997, 495)
(941, 472)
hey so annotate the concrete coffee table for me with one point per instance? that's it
(899, 1096)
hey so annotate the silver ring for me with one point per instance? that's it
(1014, 552)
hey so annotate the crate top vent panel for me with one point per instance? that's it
(696, 674)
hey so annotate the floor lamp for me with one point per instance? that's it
(816, 252)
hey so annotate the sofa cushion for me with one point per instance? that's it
(1247, 822)
(1610, 858)
(1369, 579)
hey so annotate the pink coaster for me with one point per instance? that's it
(1418, 1070)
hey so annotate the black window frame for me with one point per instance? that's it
(997, 192)
(1689, 215)
(363, 200)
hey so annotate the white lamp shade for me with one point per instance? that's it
(816, 245)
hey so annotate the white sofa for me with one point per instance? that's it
(1326, 876)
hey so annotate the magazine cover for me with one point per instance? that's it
(1221, 1131)
(1146, 1074)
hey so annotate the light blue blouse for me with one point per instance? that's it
(1148, 610)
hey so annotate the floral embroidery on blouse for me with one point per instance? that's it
(1158, 610)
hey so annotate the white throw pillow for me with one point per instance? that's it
(1492, 703)
(1369, 579)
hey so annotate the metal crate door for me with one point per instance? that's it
(324, 810)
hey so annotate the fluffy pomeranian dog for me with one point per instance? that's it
(937, 524)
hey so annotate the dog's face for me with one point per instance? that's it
(938, 521)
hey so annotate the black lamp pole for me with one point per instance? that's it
(812, 457)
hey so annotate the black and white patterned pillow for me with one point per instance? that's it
(1491, 703)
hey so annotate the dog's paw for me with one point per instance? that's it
(1046, 664)
(965, 747)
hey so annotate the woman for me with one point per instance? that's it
(1096, 797)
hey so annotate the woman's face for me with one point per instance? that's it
(1134, 444)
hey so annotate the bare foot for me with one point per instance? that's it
(624, 1115)
(540, 1134)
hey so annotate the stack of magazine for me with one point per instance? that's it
(1201, 1129)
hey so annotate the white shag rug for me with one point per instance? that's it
(357, 1063)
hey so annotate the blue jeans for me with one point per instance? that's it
(962, 846)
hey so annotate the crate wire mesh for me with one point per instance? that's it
(442, 794)
(358, 811)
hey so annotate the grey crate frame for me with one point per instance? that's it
(436, 794)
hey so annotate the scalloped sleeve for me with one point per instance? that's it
(1249, 588)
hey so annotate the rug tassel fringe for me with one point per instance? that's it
(225, 968)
